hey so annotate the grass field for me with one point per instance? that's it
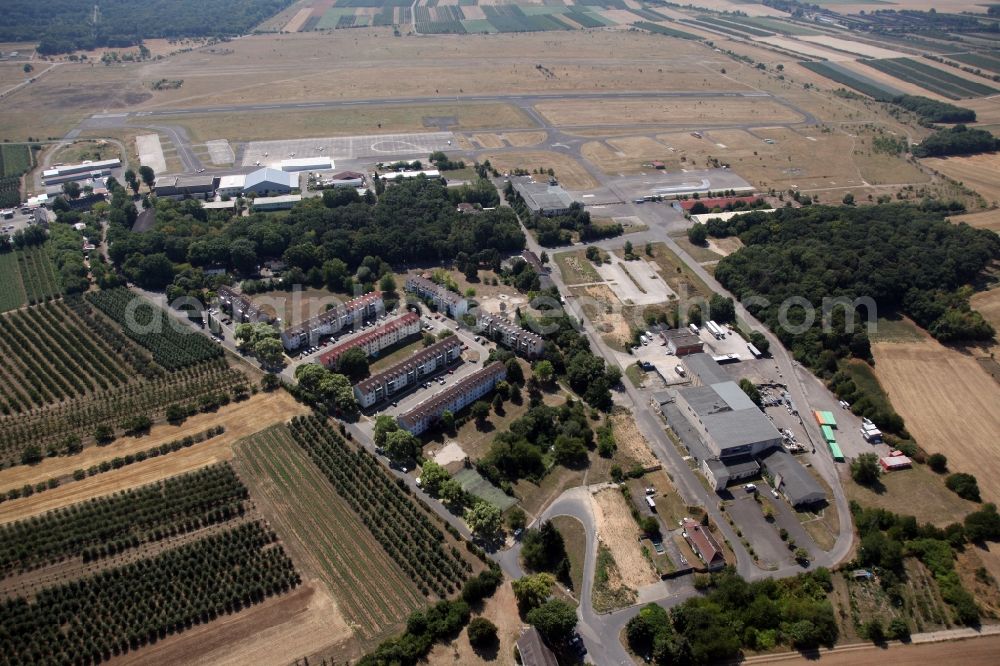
(576, 268)
(678, 275)
(618, 531)
(937, 504)
(38, 274)
(977, 172)
(329, 539)
(344, 122)
(927, 76)
(948, 402)
(570, 173)
(15, 159)
(898, 329)
(658, 112)
(575, 540)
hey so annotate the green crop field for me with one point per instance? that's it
(982, 60)
(936, 80)
(11, 289)
(663, 30)
(860, 83)
(371, 590)
(15, 159)
(38, 274)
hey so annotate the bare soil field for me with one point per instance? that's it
(501, 610)
(604, 310)
(989, 219)
(750, 9)
(971, 652)
(978, 172)
(280, 630)
(804, 48)
(725, 246)
(949, 404)
(630, 441)
(240, 419)
(655, 111)
(251, 126)
(618, 531)
(298, 20)
(988, 304)
(570, 173)
(524, 139)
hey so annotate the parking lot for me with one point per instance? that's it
(18, 220)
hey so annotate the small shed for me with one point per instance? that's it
(892, 463)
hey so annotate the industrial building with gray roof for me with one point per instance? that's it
(543, 198)
(793, 480)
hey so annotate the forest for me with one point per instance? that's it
(957, 140)
(322, 241)
(62, 26)
(906, 258)
(933, 111)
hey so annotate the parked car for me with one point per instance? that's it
(750, 487)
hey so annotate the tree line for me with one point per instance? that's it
(957, 140)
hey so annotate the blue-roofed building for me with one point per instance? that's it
(269, 181)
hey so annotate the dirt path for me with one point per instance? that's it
(240, 420)
(617, 529)
(278, 631)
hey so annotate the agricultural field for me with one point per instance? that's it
(11, 289)
(618, 531)
(947, 400)
(330, 539)
(937, 505)
(862, 84)
(658, 29)
(38, 274)
(936, 80)
(989, 219)
(15, 159)
(987, 61)
(977, 172)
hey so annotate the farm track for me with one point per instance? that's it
(330, 537)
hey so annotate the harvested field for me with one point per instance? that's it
(618, 531)
(978, 172)
(570, 173)
(988, 304)
(887, 80)
(525, 139)
(986, 220)
(630, 441)
(851, 46)
(501, 610)
(949, 404)
(973, 652)
(329, 541)
(298, 20)
(654, 111)
(279, 630)
(725, 246)
(804, 48)
(576, 268)
(239, 419)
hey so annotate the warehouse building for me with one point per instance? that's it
(543, 198)
(283, 202)
(186, 187)
(682, 342)
(729, 423)
(510, 335)
(392, 380)
(704, 370)
(267, 181)
(305, 164)
(374, 341)
(345, 179)
(232, 185)
(444, 300)
(241, 307)
(67, 172)
(793, 480)
(457, 396)
(333, 320)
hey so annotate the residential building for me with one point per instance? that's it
(454, 305)
(533, 651)
(793, 480)
(510, 335)
(682, 342)
(267, 181)
(186, 187)
(373, 341)
(283, 202)
(460, 394)
(543, 198)
(232, 185)
(423, 363)
(333, 320)
(704, 544)
(241, 307)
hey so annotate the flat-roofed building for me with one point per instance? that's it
(67, 172)
(283, 202)
(231, 185)
(333, 320)
(452, 399)
(510, 335)
(410, 371)
(681, 342)
(186, 187)
(729, 423)
(305, 164)
(345, 179)
(444, 300)
(543, 198)
(793, 480)
(374, 341)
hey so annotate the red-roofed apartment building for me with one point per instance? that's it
(460, 394)
(375, 340)
(333, 320)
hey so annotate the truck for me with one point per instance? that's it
(715, 330)
(651, 503)
(753, 351)
(680, 370)
(693, 329)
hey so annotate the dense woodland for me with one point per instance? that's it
(906, 258)
(957, 140)
(61, 26)
(933, 111)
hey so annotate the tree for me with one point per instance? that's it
(484, 519)
(532, 591)
(938, 462)
(569, 451)
(848, 199)
(964, 485)
(104, 434)
(722, 308)
(388, 283)
(353, 363)
(480, 411)
(71, 189)
(28, 68)
(269, 351)
(452, 495)
(32, 455)
(384, 424)
(432, 475)
(401, 446)
(243, 255)
(543, 549)
(752, 391)
(865, 469)
(447, 420)
(899, 630)
(516, 519)
(555, 620)
(544, 371)
(698, 234)
(147, 175)
(132, 180)
(482, 633)
(983, 525)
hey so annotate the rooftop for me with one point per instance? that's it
(703, 542)
(542, 196)
(705, 368)
(533, 651)
(433, 406)
(442, 292)
(269, 175)
(394, 324)
(335, 312)
(797, 483)
(729, 416)
(404, 366)
(682, 337)
(232, 180)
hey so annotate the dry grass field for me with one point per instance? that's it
(978, 172)
(570, 173)
(604, 310)
(989, 219)
(851, 46)
(618, 531)
(949, 404)
(525, 139)
(673, 112)
(240, 420)
(631, 443)
(501, 610)
(980, 651)
(937, 504)
(485, 140)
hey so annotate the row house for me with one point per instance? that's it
(445, 300)
(425, 362)
(510, 335)
(462, 393)
(375, 340)
(333, 320)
